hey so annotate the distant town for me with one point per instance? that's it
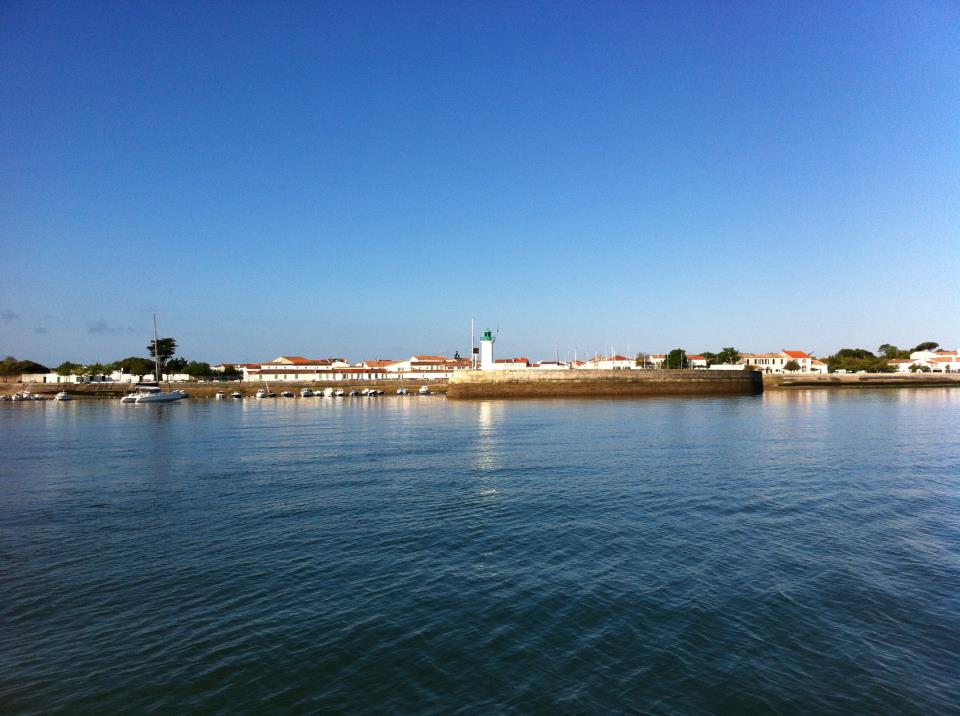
(925, 357)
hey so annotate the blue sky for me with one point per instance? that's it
(360, 179)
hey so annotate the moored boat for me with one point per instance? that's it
(152, 394)
(62, 395)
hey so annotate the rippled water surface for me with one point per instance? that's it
(791, 553)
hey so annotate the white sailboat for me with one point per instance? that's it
(152, 393)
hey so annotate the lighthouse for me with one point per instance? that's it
(486, 351)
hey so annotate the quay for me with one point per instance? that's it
(601, 383)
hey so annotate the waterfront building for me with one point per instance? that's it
(612, 362)
(553, 365)
(298, 369)
(512, 363)
(775, 362)
(938, 361)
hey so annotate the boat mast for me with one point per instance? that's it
(156, 348)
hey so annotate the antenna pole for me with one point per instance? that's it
(156, 348)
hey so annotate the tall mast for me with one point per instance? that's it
(156, 348)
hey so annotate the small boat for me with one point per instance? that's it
(286, 394)
(63, 395)
(264, 393)
(306, 393)
(328, 392)
(338, 393)
(152, 394)
(237, 396)
(402, 391)
(424, 390)
(354, 393)
(219, 395)
(366, 391)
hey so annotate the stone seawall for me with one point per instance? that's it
(532, 383)
(862, 380)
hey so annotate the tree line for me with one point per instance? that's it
(852, 360)
(164, 351)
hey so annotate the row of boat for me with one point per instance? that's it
(325, 393)
(24, 395)
(153, 394)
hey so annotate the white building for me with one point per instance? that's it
(938, 361)
(298, 369)
(776, 362)
(611, 362)
(512, 363)
(551, 365)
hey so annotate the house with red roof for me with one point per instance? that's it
(776, 362)
(611, 362)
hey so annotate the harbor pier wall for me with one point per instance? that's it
(601, 383)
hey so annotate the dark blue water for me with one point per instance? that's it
(790, 553)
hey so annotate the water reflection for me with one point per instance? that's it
(489, 414)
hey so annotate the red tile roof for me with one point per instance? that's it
(513, 360)
(797, 354)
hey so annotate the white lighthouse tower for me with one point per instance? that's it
(486, 351)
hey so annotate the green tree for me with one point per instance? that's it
(890, 352)
(729, 356)
(164, 350)
(677, 358)
(231, 372)
(68, 368)
(95, 369)
(135, 365)
(12, 366)
(176, 365)
(711, 358)
(197, 369)
(792, 366)
(928, 346)
(917, 368)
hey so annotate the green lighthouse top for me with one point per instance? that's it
(487, 336)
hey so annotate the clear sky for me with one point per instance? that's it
(360, 179)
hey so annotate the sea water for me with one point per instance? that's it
(796, 552)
